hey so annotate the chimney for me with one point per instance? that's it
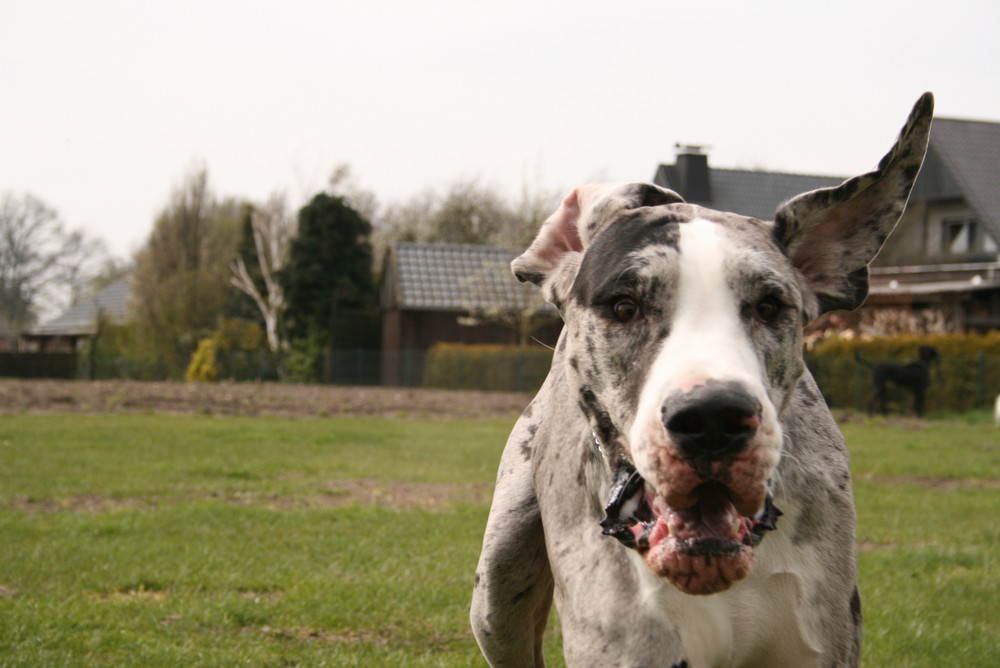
(691, 168)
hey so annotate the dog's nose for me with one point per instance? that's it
(712, 421)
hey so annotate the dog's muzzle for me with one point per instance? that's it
(699, 522)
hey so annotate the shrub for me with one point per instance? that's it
(486, 367)
(204, 366)
(216, 354)
(304, 361)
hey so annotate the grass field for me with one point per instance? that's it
(153, 540)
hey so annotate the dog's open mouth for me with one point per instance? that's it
(701, 549)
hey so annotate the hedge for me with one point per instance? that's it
(486, 367)
(965, 377)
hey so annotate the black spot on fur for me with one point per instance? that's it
(526, 449)
(642, 228)
(809, 397)
(521, 594)
(856, 615)
(604, 428)
(530, 277)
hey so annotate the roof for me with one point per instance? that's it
(750, 193)
(81, 317)
(969, 152)
(451, 277)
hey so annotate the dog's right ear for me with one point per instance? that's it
(552, 260)
(832, 234)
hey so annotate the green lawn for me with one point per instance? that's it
(152, 540)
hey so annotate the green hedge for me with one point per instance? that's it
(966, 377)
(486, 367)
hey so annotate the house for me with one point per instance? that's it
(69, 331)
(940, 269)
(459, 293)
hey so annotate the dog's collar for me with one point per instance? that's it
(595, 445)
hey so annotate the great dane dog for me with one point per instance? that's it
(678, 484)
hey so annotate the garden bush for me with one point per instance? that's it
(486, 367)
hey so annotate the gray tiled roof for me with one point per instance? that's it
(81, 317)
(452, 277)
(751, 193)
(970, 152)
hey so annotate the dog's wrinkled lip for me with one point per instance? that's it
(701, 549)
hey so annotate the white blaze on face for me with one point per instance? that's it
(707, 339)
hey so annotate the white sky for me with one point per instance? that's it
(105, 106)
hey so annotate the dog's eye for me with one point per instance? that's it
(767, 309)
(625, 309)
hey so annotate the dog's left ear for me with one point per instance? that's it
(832, 234)
(553, 258)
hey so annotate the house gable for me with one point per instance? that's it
(953, 215)
(80, 319)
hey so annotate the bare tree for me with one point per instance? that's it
(272, 228)
(181, 277)
(42, 264)
(469, 213)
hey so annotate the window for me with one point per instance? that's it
(960, 236)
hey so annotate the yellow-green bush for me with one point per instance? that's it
(966, 376)
(233, 335)
(486, 367)
(204, 366)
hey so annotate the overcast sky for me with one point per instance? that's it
(105, 106)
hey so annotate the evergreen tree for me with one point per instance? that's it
(329, 266)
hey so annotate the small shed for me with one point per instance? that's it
(456, 293)
(67, 332)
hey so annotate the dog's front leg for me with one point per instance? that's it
(513, 592)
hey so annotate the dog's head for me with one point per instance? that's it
(928, 354)
(684, 337)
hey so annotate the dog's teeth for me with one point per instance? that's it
(735, 529)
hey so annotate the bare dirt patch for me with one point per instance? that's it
(406, 495)
(276, 399)
(933, 482)
(79, 503)
(389, 494)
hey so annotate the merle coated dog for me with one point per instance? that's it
(678, 486)
(914, 377)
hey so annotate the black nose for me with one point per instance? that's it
(712, 421)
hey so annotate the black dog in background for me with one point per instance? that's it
(915, 377)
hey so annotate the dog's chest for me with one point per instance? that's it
(764, 620)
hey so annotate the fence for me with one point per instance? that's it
(38, 365)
